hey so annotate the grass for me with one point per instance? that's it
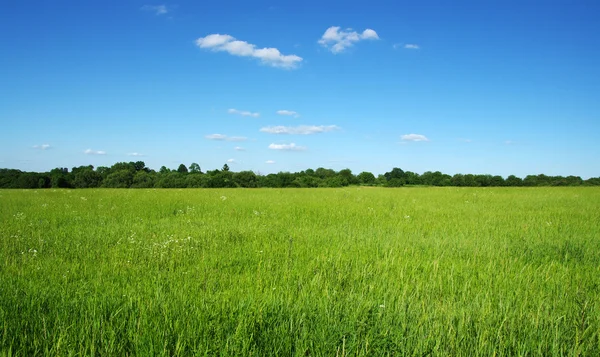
(300, 272)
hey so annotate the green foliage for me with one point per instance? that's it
(195, 168)
(366, 178)
(137, 175)
(182, 169)
(297, 272)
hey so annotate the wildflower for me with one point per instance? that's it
(223, 198)
(382, 306)
(407, 217)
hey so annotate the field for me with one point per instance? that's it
(300, 272)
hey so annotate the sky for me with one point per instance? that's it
(466, 86)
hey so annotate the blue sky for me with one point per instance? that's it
(498, 87)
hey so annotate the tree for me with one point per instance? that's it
(86, 178)
(395, 173)
(195, 168)
(513, 180)
(246, 179)
(366, 178)
(143, 179)
(225, 167)
(347, 175)
(182, 169)
(164, 170)
(119, 179)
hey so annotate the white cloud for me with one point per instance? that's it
(269, 162)
(42, 147)
(243, 113)
(222, 137)
(231, 161)
(414, 137)
(287, 147)
(408, 46)
(216, 137)
(239, 148)
(156, 9)
(337, 41)
(135, 154)
(289, 113)
(300, 130)
(269, 56)
(94, 152)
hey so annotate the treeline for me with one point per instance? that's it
(137, 175)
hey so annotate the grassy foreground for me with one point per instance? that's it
(300, 272)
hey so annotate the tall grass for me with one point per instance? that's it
(355, 271)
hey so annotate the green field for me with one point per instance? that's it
(300, 272)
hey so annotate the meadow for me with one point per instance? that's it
(300, 272)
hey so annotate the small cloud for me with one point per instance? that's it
(287, 147)
(414, 137)
(289, 113)
(408, 46)
(135, 154)
(300, 130)
(509, 142)
(337, 41)
(216, 137)
(269, 56)
(42, 147)
(239, 148)
(270, 162)
(243, 113)
(156, 9)
(94, 152)
(231, 161)
(222, 137)
(465, 140)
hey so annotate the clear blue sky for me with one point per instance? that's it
(499, 87)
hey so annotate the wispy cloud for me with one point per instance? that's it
(135, 154)
(222, 137)
(269, 56)
(299, 130)
(42, 147)
(407, 46)
(465, 140)
(239, 148)
(290, 113)
(243, 113)
(156, 9)
(414, 137)
(269, 162)
(287, 147)
(94, 152)
(337, 40)
(231, 161)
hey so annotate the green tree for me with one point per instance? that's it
(195, 168)
(246, 179)
(119, 179)
(182, 169)
(225, 168)
(86, 178)
(366, 178)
